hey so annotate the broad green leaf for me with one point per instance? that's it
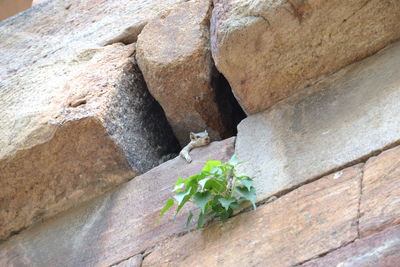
(180, 181)
(247, 182)
(211, 164)
(168, 205)
(179, 187)
(184, 197)
(189, 219)
(201, 199)
(250, 195)
(200, 220)
(233, 160)
(226, 202)
(203, 182)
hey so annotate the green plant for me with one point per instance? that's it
(217, 191)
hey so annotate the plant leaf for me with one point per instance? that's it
(226, 202)
(183, 197)
(211, 164)
(247, 182)
(250, 195)
(201, 199)
(189, 219)
(200, 220)
(203, 182)
(233, 160)
(167, 206)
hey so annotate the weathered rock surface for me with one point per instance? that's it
(174, 54)
(309, 221)
(115, 226)
(344, 118)
(268, 50)
(382, 249)
(380, 201)
(57, 29)
(73, 130)
(135, 261)
(76, 118)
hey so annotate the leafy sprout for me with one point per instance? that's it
(217, 191)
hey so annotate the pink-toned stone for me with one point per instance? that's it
(73, 131)
(174, 55)
(380, 199)
(115, 226)
(135, 261)
(311, 220)
(269, 50)
(378, 250)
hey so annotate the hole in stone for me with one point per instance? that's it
(231, 112)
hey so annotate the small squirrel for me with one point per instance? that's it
(196, 140)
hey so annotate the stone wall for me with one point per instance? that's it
(95, 96)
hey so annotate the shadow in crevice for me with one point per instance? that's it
(229, 108)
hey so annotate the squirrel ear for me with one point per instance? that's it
(192, 136)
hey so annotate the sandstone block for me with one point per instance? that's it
(71, 131)
(115, 226)
(174, 54)
(381, 249)
(344, 118)
(268, 50)
(309, 221)
(380, 199)
(135, 261)
(76, 118)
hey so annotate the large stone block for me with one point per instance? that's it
(174, 54)
(345, 118)
(309, 221)
(73, 130)
(76, 118)
(269, 50)
(380, 250)
(380, 199)
(115, 226)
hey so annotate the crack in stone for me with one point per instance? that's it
(359, 201)
(355, 12)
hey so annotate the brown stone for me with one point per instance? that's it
(344, 118)
(115, 226)
(269, 50)
(380, 206)
(309, 221)
(9, 8)
(72, 131)
(174, 54)
(378, 250)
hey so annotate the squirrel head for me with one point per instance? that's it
(200, 139)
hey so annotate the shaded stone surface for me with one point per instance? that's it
(304, 223)
(344, 118)
(115, 226)
(269, 50)
(73, 130)
(379, 250)
(174, 54)
(135, 261)
(380, 199)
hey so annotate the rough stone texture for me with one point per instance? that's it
(115, 226)
(309, 221)
(346, 117)
(379, 250)
(380, 200)
(135, 261)
(174, 54)
(73, 130)
(268, 50)
(57, 29)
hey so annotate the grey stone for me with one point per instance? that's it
(341, 119)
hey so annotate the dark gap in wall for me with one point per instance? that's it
(230, 110)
